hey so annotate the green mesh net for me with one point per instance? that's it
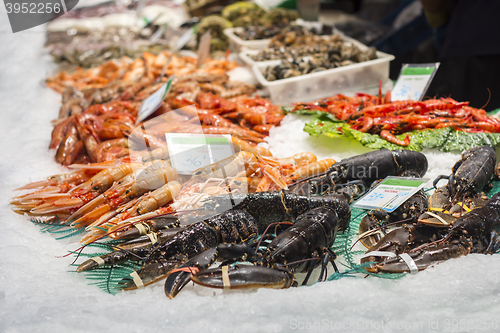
(108, 278)
(342, 247)
(60, 230)
(494, 189)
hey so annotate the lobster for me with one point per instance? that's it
(365, 169)
(474, 232)
(252, 214)
(469, 176)
(299, 248)
(162, 257)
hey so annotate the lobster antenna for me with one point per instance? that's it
(80, 249)
(423, 246)
(188, 269)
(301, 261)
(462, 205)
(121, 249)
(265, 231)
(454, 199)
(129, 224)
(308, 178)
(77, 256)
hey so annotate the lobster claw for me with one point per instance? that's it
(397, 242)
(424, 258)
(181, 276)
(244, 277)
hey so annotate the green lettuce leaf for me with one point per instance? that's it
(430, 138)
(445, 139)
(373, 141)
(325, 126)
(458, 140)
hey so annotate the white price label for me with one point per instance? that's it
(189, 152)
(184, 39)
(413, 81)
(391, 193)
(153, 102)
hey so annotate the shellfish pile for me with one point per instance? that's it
(335, 55)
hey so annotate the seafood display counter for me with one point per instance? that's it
(45, 285)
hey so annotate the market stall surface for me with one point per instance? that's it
(39, 293)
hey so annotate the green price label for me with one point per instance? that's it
(402, 182)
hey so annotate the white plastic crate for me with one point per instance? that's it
(308, 87)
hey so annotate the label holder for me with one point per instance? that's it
(413, 81)
(190, 152)
(153, 102)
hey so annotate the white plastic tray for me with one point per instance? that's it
(236, 44)
(308, 87)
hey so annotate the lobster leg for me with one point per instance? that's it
(310, 269)
(494, 244)
(450, 182)
(328, 256)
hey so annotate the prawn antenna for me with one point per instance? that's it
(489, 98)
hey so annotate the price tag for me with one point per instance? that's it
(156, 36)
(413, 81)
(184, 39)
(204, 48)
(391, 193)
(153, 102)
(189, 152)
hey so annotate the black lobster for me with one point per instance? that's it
(299, 248)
